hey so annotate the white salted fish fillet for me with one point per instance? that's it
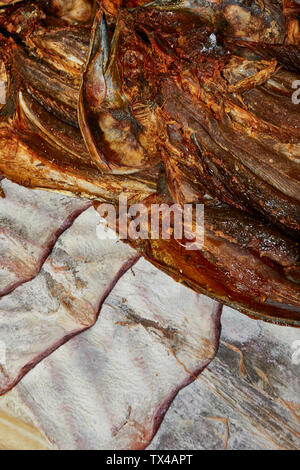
(63, 299)
(30, 223)
(110, 386)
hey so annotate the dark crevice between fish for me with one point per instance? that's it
(13, 36)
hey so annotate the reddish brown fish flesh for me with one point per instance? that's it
(173, 101)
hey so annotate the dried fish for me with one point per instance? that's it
(153, 338)
(30, 223)
(172, 101)
(63, 300)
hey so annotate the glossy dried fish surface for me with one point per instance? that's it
(176, 101)
(173, 101)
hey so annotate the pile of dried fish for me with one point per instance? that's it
(130, 334)
(173, 101)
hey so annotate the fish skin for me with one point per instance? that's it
(153, 337)
(63, 300)
(30, 224)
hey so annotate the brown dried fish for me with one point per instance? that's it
(170, 102)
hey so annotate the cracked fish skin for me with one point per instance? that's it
(168, 111)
